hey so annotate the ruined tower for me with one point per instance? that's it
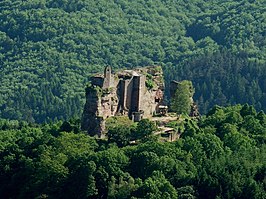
(108, 78)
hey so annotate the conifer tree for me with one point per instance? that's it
(182, 100)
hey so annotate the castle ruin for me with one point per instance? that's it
(134, 93)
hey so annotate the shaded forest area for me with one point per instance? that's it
(222, 78)
(220, 156)
(48, 49)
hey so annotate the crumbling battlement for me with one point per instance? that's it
(135, 93)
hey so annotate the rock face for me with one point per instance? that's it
(194, 110)
(135, 93)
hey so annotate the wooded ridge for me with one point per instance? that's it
(49, 48)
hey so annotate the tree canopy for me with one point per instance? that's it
(220, 155)
(48, 49)
(182, 100)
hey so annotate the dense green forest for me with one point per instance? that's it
(224, 79)
(49, 48)
(221, 156)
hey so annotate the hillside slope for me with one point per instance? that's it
(49, 48)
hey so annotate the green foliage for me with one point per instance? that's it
(48, 49)
(119, 130)
(178, 126)
(157, 186)
(221, 155)
(187, 192)
(247, 110)
(182, 100)
(149, 82)
(117, 121)
(222, 78)
(144, 130)
(121, 135)
(123, 187)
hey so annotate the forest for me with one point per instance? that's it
(219, 156)
(49, 49)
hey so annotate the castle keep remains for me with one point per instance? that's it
(134, 93)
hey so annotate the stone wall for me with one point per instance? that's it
(122, 93)
(91, 117)
(108, 78)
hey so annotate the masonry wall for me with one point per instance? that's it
(135, 95)
(130, 85)
(120, 94)
(108, 78)
(123, 92)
